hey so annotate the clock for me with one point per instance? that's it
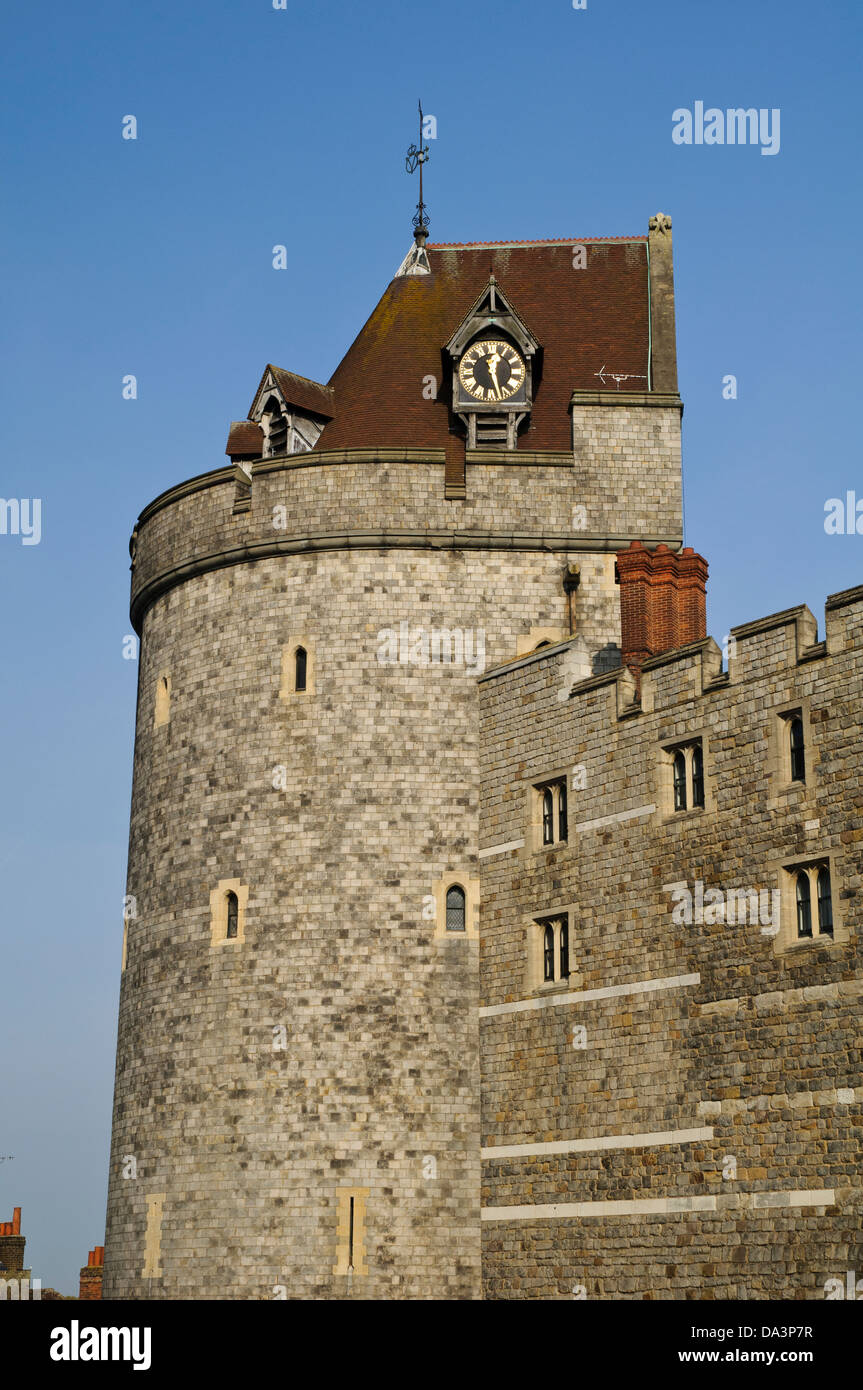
(491, 370)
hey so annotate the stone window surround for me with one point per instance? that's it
(288, 690)
(153, 1236)
(786, 939)
(533, 811)
(162, 708)
(664, 795)
(781, 790)
(470, 886)
(219, 912)
(342, 1265)
(534, 930)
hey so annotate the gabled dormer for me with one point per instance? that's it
(493, 355)
(291, 411)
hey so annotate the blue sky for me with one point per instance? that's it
(154, 257)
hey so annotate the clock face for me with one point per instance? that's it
(491, 370)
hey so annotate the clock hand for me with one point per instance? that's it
(491, 362)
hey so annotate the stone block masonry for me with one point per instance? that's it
(686, 1121)
(331, 1045)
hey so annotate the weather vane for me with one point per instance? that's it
(416, 157)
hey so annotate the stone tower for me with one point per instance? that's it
(297, 1104)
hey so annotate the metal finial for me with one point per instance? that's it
(416, 158)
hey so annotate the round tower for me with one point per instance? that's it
(298, 1098)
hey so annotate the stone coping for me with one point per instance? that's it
(320, 458)
(663, 399)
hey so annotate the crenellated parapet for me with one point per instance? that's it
(781, 644)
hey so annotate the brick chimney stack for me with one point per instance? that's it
(663, 601)
(12, 1244)
(90, 1285)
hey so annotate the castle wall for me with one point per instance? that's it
(682, 1118)
(336, 816)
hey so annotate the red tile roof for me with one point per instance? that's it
(585, 320)
(245, 439)
(301, 392)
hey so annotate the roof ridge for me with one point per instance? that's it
(530, 241)
(299, 376)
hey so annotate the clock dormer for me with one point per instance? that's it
(492, 355)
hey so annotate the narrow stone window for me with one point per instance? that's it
(552, 803)
(163, 700)
(455, 908)
(564, 949)
(680, 780)
(548, 953)
(228, 903)
(825, 902)
(548, 817)
(804, 905)
(300, 666)
(233, 915)
(153, 1237)
(809, 913)
(797, 748)
(454, 902)
(697, 775)
(686, 781)
(350, 1238)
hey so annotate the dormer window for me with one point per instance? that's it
(291, 412)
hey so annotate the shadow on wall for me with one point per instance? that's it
(607, 658)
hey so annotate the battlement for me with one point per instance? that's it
(770, 646)
(766, 646)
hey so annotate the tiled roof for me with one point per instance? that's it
(245, 439)
(302, 393)
(585, 320)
